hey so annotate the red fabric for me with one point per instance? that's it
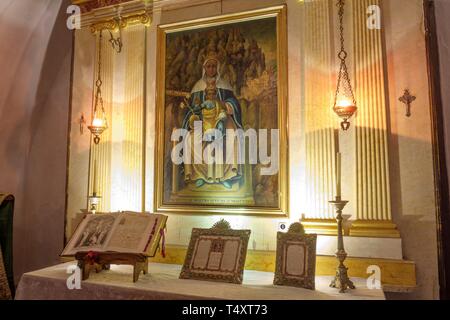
(151, 235)
(163, 243)
(92, 257)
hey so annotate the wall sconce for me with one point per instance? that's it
(99, 122)
(344, 100)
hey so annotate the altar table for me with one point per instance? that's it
(162, 283)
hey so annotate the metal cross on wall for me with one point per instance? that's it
(407, 99)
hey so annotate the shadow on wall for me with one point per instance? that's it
(35, 103)
(414, 211)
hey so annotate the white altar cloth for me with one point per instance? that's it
(162, 283)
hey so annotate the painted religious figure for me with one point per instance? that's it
(213, 104)
(222, 90)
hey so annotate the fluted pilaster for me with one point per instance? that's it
(119, 156)
(319, 122)
(373, 207)
(128, 129)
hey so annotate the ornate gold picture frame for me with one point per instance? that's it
(296, 258)
(216, 254)
(248, 90)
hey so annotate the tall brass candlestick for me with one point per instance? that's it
(341, 280)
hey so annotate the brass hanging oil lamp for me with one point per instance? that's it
(344, 100)
(99, 122)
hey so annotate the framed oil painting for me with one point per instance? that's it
(221, 118)
(216, 254)
(296, 258)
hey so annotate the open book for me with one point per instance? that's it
(124, 232)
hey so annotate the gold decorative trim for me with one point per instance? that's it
(90, 5)
(114, 24)
(320, 226)
(374, 228)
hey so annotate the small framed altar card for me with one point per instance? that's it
(296, 258)
(124, 232)
(216, 254)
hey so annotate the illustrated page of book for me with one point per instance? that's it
(92, 234)
(134, 232)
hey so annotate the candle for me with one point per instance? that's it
(338, 175)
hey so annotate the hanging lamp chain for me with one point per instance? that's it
(343, 71)
(99, 82)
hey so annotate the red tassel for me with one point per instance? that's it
(163, 243)
(91, 257)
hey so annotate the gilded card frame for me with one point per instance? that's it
(223, 230)
(283, 175)
(309, 241)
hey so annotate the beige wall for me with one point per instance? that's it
(34, 102)
(411, 158)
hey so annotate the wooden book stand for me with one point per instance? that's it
(99, 261)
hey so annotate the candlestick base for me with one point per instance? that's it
(341, 281)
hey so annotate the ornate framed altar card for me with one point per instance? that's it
(124, 232)
(221, 115)
(296, 258)
(216, 254)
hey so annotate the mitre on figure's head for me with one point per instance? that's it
(212, 55)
